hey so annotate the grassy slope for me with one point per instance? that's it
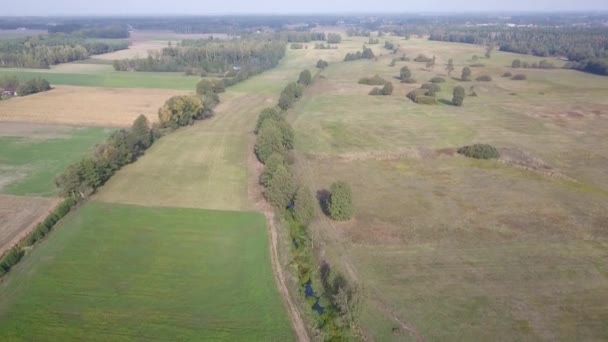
(204, 166)
(461, 249)
(106, 77)
(117, 272)
(38, 160)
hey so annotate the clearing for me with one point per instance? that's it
(454, 248)
(86, 106)
(32, 155)
(94, 279)
(19, 215)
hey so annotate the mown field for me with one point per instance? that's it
(31, 155)
(118, 272)
(450, 248)
(87, 106)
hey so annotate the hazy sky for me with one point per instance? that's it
(202, 7)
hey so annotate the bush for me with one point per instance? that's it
(426, 100)
(479, 151)
(432, 88)
(304, 205)
(305, 78)
(466, 74)
(484, 78)
(458, 96)
(516, 63)
(507, 74)
(340, 202)
(437, 79)
(10, 260)
(477, 65)
(385, 91)
(519, 77)
(321, 64)
(43, 228)
(375, 80)
(296, 46)
(269, 141)
(423, 58)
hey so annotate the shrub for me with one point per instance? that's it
(296, 46)
(375, 80)
(479, 151)
(507, 74)
(386, 90)
(304, 205)
(477, 65)
(458, 96)
(423, 58)
(305, 78)
(321, 64)
(432, 88)
(437, 79)
(484, 78)
(466, 74)
(340, 202)
(426, 100)
(10, 260)
(516, 63)
(519, 77)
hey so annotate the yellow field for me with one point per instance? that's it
(19, 215)
(138, 49)
(87, 106)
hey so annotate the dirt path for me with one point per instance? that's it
(256, 196)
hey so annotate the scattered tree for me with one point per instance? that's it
(466, 74)
(458, 96)
(305, 78)
(479, 151)
(340, 203)
(450, 66)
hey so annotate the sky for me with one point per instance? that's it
(207, 7)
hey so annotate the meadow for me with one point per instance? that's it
(178, 274)
(453, 248)
(31, 156)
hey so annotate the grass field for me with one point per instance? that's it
(100, 75)
(32, 155)
(19, 215)
(174, 274)
(459, 249)
(86, 106)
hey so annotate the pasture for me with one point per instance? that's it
(454, 248)
(31, 155)
(86, 106)
(174, 274)
(19, 215)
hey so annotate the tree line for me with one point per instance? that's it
(366, 53)
(274, 141)
(12, 85)
(235, 59)
(97, 31)
(46, 50)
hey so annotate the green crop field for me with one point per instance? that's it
(30, 160)
(99, 75)
(450, 248)
(120, 272)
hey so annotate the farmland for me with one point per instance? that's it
(87, 106)
(228, 293)
(453, 248)
(32, 155)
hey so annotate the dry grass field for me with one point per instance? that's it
(86, 106)
(137, 49)
(19, 215)
(450, 248)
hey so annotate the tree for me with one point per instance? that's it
(489, 50)
(206, 86)
(269, 141)
(304, 205)
(405, 73)
(458, 97)
(466, 74)
(516, 63)
(340, 203)
(141, 132)
(267, 114)
(387, 89)
(479, 151)
(180, 110)
(281, 188)
(450, 66)
(321, 64)
(305, 78)
(334, 38)
(431, 64)
(272, 164)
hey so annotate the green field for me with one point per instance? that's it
(30, 161)
(460, 249)
(99, 75)
(119, 272)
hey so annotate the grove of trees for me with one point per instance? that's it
(366, 53)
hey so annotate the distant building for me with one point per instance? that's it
(8, 91)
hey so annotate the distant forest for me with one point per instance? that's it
(46, 50)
